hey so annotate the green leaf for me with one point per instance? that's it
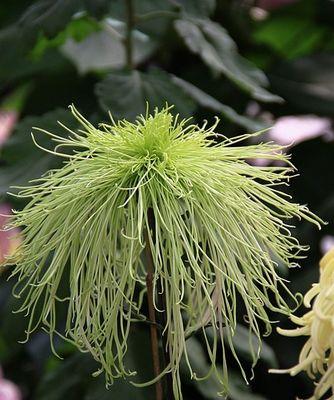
(48, 16)
(24, 161)
(97, 8)
(217, 49)
(146, 14)
(283, 33)
(105, 49)
(75, 375)
(139, 350)
(77, 29)
(125, 94)
(209, 388)
(197, 8)
(307, 83)
(207, 101)
(67, 379)
(44, 18)
(241, 343)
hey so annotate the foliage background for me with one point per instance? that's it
(207, 58)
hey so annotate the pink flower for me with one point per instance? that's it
(10, 240)
(294, 129)
(326, 243)
(8, 120)
(8, 390)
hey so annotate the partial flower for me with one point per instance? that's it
(219, 227)
(8, 389)
(291, 130)
(10, 239)
(8, 119)
(326, 243)
(317, 355)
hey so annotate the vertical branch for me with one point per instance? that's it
(130, 21)
(151, 309)
(156, 320)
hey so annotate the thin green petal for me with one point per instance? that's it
(219, 225)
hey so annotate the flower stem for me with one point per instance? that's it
(153, 325)
(130, 21)
(155, 320)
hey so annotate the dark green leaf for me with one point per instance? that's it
(77, 30)
(44, 18)
(72, 378)
(307, 83)
(22, 159)
(207, 101)
(209, 388)
(241, 343)
(197, 8)
(67, 379)
(105, 49)
(150, 15)
(48, 16)
(97, 8)
(217, 49)
(125, 94)
(283, 33)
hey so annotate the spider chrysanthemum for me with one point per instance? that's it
(317, 355)
(219, 230)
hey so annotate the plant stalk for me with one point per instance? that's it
(128, 42)
(156, 320)
(152, 317)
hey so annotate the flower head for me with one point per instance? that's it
(317, 354)
(219, 223)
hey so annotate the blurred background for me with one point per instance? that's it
(255, 64)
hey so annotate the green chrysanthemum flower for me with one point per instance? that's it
(219, 224)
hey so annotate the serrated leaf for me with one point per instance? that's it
(125, 94)
(217, 49)
(21, 159)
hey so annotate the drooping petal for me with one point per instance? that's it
(220, 226)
